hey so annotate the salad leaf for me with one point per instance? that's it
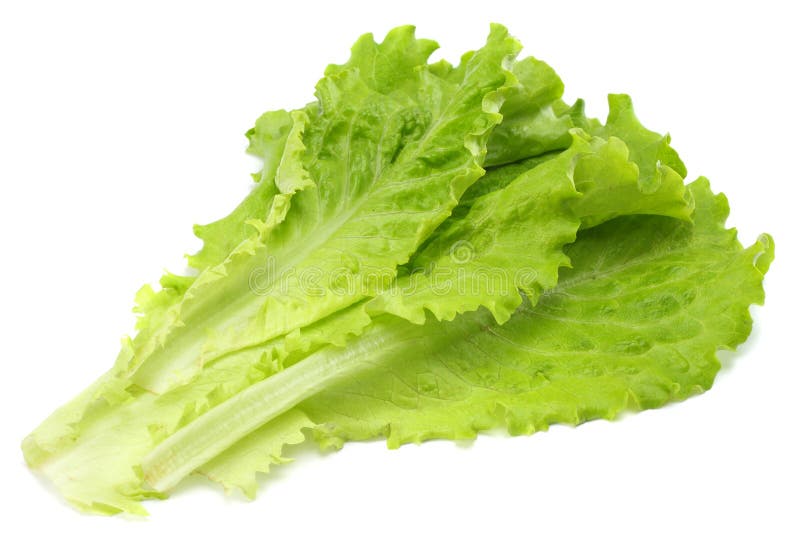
(428, 251)
(636, 323)
(365, 174)
(518, 234)
(114, 439)
(384, 169)
(414, 152)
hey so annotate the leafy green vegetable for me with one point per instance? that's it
(414, 152)
(428, 251)
(387, 156)
(635, 324)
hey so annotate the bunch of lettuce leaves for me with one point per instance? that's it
(428, 252)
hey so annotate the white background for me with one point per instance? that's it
(121, 125)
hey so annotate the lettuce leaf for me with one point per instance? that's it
(99, 471)
(355, 181)
(383, 168)
(634, 324)
(509, 242)
(414, 152)
(405, 253)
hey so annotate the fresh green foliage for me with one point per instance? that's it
(429, 251)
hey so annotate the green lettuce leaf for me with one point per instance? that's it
(360, 183)
(384, 169)
(636, 323)
(531, 209)
(375, 280)
(513, 239)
